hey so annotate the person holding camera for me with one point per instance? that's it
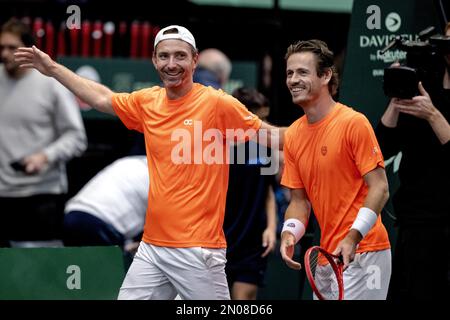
(419, 128)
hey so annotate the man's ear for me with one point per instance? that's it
(195, 60)
(154, 58)
(327, 76)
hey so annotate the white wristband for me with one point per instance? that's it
(294, 226)
(364, 221)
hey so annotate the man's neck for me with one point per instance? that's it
(318, 109)
(177, 93)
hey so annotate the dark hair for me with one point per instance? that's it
(19, 29)
(325, 59)
(251, 98)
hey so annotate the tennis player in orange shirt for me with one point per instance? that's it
(334, 164)
(183, 246)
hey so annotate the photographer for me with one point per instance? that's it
(419, 128)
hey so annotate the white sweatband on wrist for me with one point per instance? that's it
(364, 221)
(294, 226)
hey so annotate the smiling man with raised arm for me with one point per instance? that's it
(183, 246)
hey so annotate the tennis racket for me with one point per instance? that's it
(325, 273)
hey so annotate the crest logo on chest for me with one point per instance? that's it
(324, 150)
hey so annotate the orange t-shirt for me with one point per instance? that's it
(188, 184)
(329, 159)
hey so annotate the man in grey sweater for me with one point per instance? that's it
(40, 130)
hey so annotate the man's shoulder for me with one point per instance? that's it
(210, 91)
(220, 96)
(297, 125)
(348, 115)
(294, 131)
(147, 95)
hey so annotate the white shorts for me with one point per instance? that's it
(367, 277)
(160, 273)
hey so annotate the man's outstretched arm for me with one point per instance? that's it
(275, 135)
(96, 95)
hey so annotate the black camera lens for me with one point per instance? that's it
(400, 82)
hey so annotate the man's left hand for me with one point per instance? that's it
(347, 247)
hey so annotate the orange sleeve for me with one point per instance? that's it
(364, 145)
(291, 176)
(232, 114)
(128, 109)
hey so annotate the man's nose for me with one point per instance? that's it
(294, 78)
(171, 63)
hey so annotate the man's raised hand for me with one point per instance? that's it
(34, 58)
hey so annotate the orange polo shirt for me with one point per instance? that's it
(188, 171)
(329, 159)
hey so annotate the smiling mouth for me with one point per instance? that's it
(298, 89)
(173, 74)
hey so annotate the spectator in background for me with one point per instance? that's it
(214, 68)
(110, 209)
(419, 128)
(250, 217)
(40, 130)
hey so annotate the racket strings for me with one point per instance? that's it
(324, 276)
